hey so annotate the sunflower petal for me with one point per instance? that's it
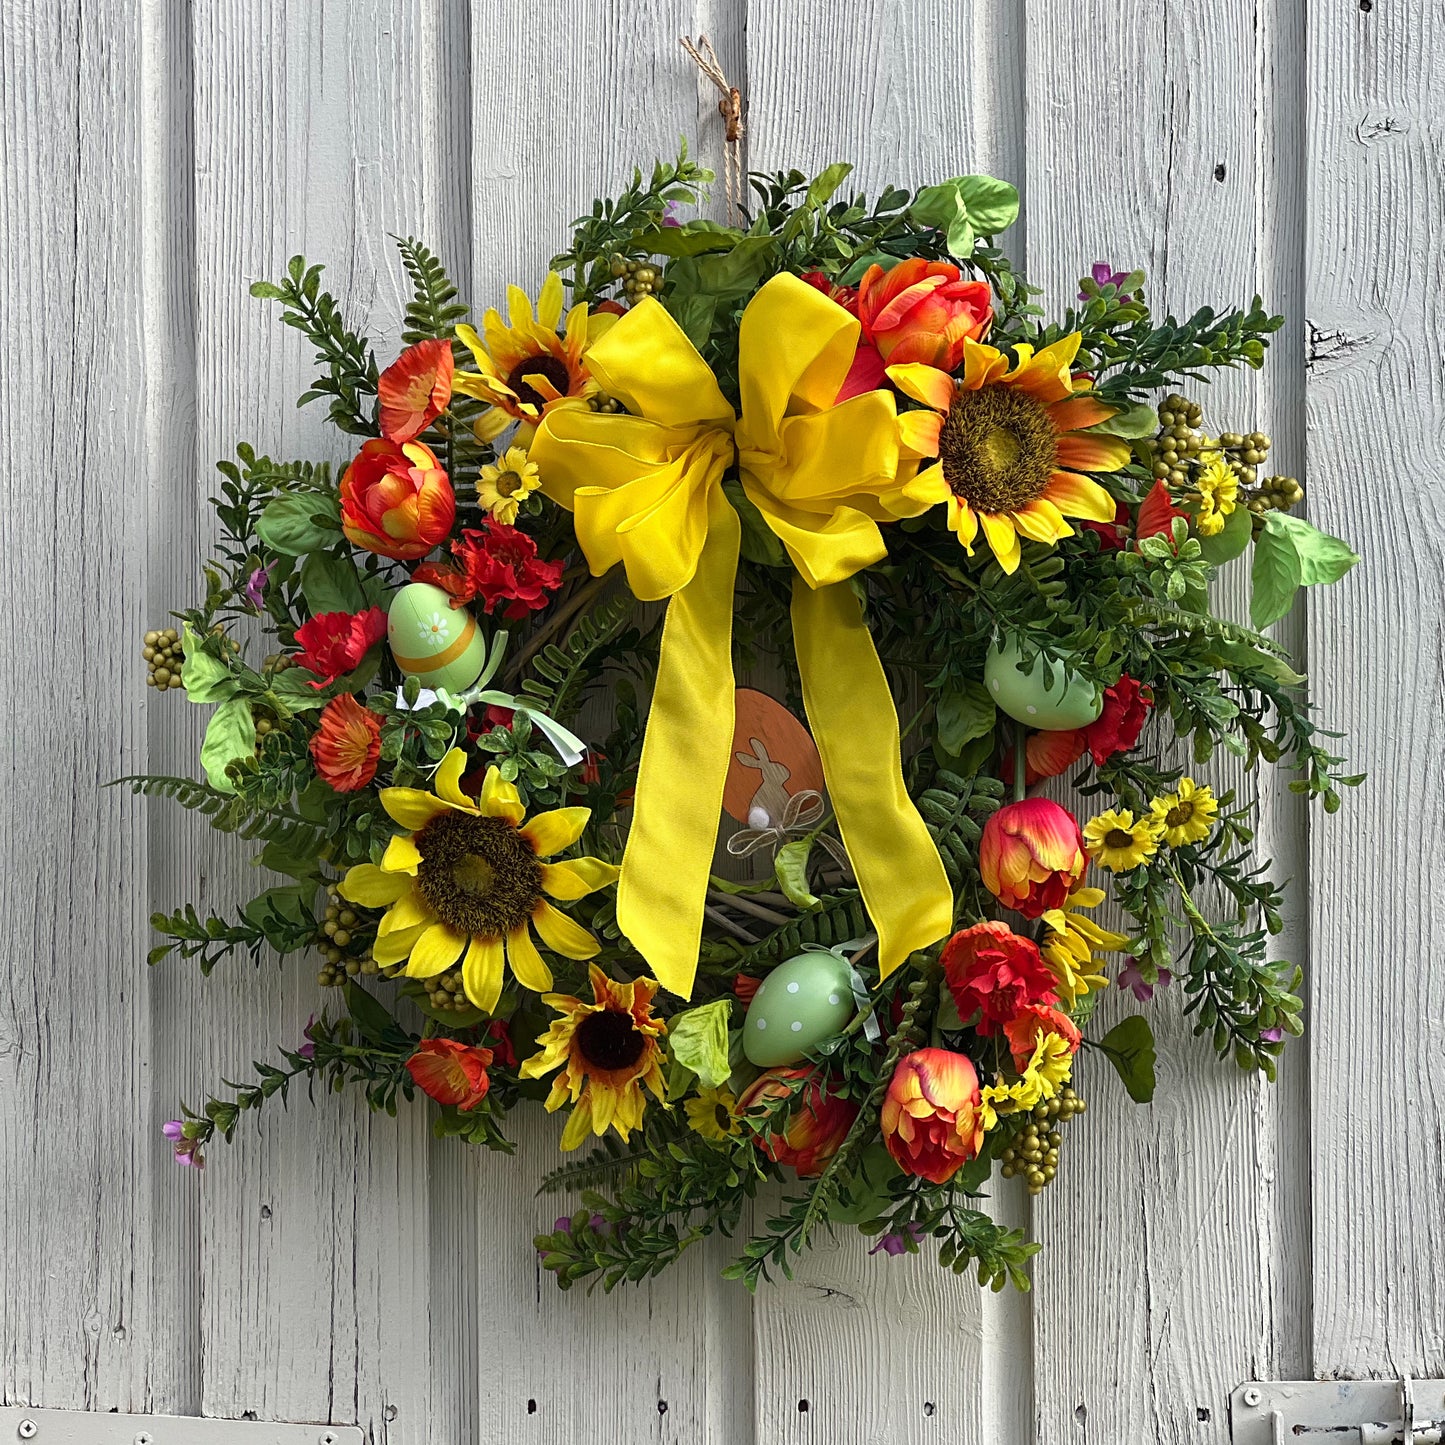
(448, 780)
(1045, 376)
(928, 486)
(998, 530)
(1077, 496)
(501, 800)
(526, 962)
(1080, 411)
(409, 911)
(550, 833)
(482, 972)
(371, 887)
(963, 520)
(934, 388)
(435, 951)
(393, 948)
(918, 432)
(579, 1124)
(411, 807)
(402, 855)
(562, 935)
(577, 877)
(1041, 521)
(1093, 452)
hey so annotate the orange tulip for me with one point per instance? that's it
(415, 389)
(818, 1121)
(922, 311)
(1032, 855)
(930, 1118)
(396, 500)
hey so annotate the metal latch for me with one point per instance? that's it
(93, 1427)
(1338, 1412)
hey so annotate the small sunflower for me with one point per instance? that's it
(1116, 842)
(1218, 485)
(468, 882)
(502, 488)
(1186, 815)
(524, 366)
(1010, 445)
(713, 1113)
(607, 1051)
(1072, 942)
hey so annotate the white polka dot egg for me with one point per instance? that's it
(802, 1003)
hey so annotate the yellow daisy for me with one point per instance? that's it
(467, 883)
(1218, 485)
(1116, 842)
(1071, 943)
(501, 489)
(1011, 445)
(1186, 815)
(607, 1051)
(713, 1114)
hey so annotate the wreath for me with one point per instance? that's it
(476, 702)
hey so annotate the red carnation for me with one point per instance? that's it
(1157, 512)
(993, 972)
(1117, 729)
(334, 643)
(1111, 535)
(499, 564)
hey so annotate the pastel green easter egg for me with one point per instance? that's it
(799, 1005)
(1070, 701)
(433, 641)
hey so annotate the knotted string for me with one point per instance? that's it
(730, 107)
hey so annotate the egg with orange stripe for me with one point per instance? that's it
(438, 644)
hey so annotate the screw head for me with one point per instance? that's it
(27, 1429)
(143, 1438)
(1252, 1397)
(326, 1437)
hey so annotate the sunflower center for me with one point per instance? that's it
(610, 1040)
(479, 875)
(1118, 838)
(550, 367)
(1180, 815)
(997, 448)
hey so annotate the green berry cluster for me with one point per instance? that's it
(445, 992)
(639, 278)
(602, 402)
(1179, 441)
(1034, 1154)
(1247, 453)
(1275, 494)
(345, 954)
(162, 652)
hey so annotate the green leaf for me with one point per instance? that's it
(1139, 420)
(267, 291)
(696, 238)
(331, 583)
(206, 677)
(1130, 1048)
(1225, 546)
(694, 314)
(230, 734)
(961, 234)
(1275, 577)
(295, 857)
(737, 274)
(820, 191)
(854, 274)
(1246, 658)
(1323, 559)
(699, 1040)
(760, 543)
(372, 1020)
(300, 522)
(992, 205)
(792, 870)
(965, 712)
(285, 914)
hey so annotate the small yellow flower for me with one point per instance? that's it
(1116, 842)
(1186, 815)
(502, 488)
(1218, 487)
(1071, 943)
(713, 1114)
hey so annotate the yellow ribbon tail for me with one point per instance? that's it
(685, 757)
(855, 725)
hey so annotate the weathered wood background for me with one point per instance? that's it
(158, 156)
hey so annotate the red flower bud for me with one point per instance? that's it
(1031, 855)
(396, 500)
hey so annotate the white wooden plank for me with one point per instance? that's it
(561, 114)
(80, 1325)
(1175, 1250)
(1376, 93)
(856, 1347)
(320, 129)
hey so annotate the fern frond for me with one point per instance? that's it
(561, 673)
(433, 311)
(229, 813)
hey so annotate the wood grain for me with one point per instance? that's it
(1376, 416)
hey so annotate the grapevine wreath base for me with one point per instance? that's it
(838, 446)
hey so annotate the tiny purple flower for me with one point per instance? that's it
(562, 1224)
(1273, 1035)
(308, 1049)
(896, 1244)
(669, 215)
(256, 587)
(187, 1151)
(1104, 275)
(1135, 982)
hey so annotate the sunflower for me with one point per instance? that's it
(1071, 943)
(607, 1050)
(1010, 446)
(467, 882)
(1218, 486)
(502, 488)
(713, 1113)
(524, 367)
(1118, 843)
(1186, 815)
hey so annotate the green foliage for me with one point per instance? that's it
(433, 311)
(1129, 1047)
(229, 813)
(561, 673)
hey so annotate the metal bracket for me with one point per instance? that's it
(93, 1427)
(1338, 1412)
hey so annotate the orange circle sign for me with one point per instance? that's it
(774, 757)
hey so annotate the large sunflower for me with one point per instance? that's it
(524, 366)
(1010, 449)
(607, 1050)
(467, 883)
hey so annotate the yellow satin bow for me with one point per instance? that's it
(646, 490)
